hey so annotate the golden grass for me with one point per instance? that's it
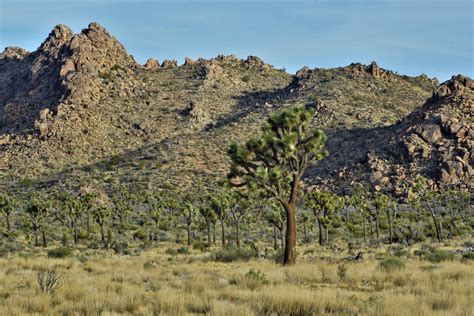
(157, 284)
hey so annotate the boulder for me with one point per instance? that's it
(169, 63)
(188, 61)
(431, 133)
(151, 64)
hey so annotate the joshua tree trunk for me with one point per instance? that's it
(237, 232)
(390, 226)
(36, 237)
(214, 232)
(222, 232)
(102, 234)
(188, 229)
(45, 241)
(377, 227)
(7, 219)
(321, 233)
(275, 238)
(290, 238)
(436, 224)
(75, 234)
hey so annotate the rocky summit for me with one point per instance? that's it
(80, 110)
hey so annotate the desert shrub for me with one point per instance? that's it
(440, 255)
(171, 251)
(232, 254)
(201, 246)
(253, 279)
(342, 272)
(401, 252)
(277, 256)
(183, 250)
(60, 252)
(49, 280)
(141, 234)
(391, 264)
(469, 255)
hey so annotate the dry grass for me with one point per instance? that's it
(155, 283)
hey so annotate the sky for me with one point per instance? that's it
(407, 36)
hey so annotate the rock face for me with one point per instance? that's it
(65, 69)
(441, 133)
(435, 141)
(169, 63)
(151, 64)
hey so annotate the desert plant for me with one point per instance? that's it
(277, 160)
(392, 264)
(49, 280)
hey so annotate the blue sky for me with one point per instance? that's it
(411, 37)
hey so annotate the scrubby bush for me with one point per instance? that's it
(199, 245)
(440, 255)
(183, 250)
(60, 252)
(469, 255)
(232, 254)
(391, 264)
(253, 279)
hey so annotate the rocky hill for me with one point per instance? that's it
(80, 108)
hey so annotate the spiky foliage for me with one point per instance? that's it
(277, 160)
(38, 212)
(8, 203)
(323, 204)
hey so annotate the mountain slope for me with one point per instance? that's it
(80, 108)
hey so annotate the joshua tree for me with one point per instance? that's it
(101, 214)
(274, 215)
(188, 211)
(238, 209)
(38, 215)
(380, 204)
(305, 217)
(431, 199)
(323, 204)
(358, 199)
(210, 218)
(220, 206)
(69, 212)
(8, 204)
(277, 160)
(458, 204)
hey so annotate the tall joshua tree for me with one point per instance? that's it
(277, 160)
(8, 203)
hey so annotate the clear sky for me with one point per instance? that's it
(408, 36)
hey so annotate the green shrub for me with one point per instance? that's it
(469, 255)
(183, 250)
(392, 264)
(440, 255)
(141, 234)
(199, 245)
(252, 280)
(232, 254)
(60, 252)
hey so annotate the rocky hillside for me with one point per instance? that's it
(80, 108)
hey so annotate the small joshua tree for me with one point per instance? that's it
(8, 204)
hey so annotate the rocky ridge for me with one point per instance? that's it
(80, 109)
